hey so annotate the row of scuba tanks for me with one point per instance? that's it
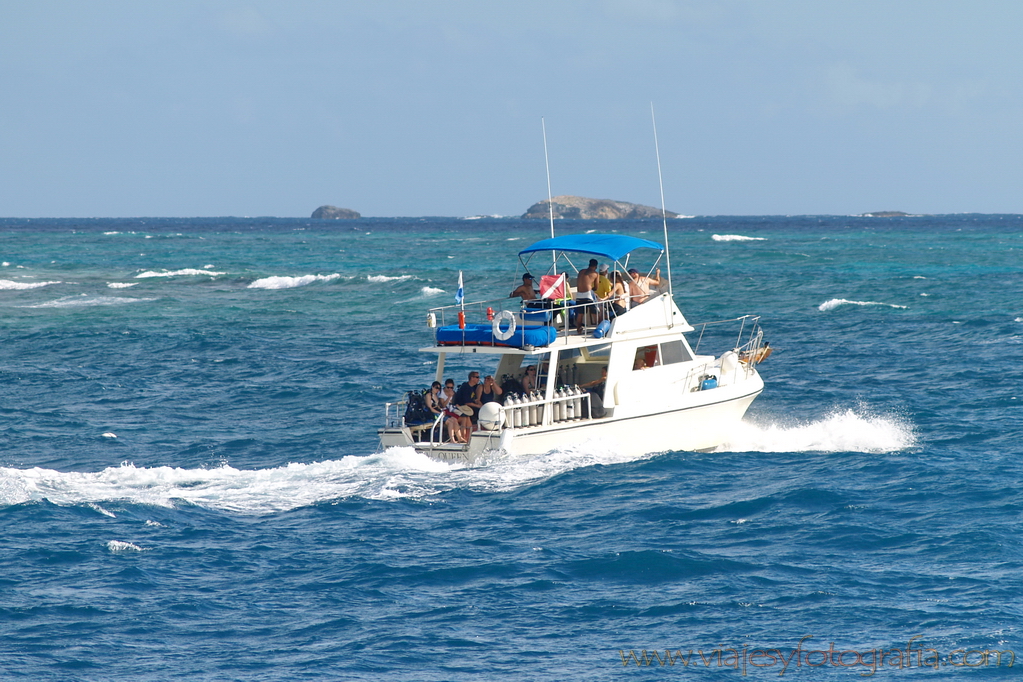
(526, 409)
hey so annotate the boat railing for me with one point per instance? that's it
(568, 405)
(697, 376)
(749, 346)
(475, 312)
(563, 314)
(427, 432)
(749, 327)
(573, 404)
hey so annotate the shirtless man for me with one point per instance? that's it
(585, 283)
(639, 285)
(525, 290)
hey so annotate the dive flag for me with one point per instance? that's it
(553, 287)
(460, 294)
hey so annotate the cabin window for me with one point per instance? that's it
(674, 351)
(602, 351)
(646, 356)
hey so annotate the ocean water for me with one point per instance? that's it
(191, 487)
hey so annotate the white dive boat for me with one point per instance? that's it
(659, 395)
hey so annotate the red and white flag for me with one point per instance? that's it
(553, 286)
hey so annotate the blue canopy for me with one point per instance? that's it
(612, 246)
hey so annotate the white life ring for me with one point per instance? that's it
(498, 319)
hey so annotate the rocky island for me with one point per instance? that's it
(567, 206)
(335, 213)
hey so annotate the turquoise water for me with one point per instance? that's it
(191, 488)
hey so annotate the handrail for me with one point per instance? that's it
(546, 414)
(755, 319)
(476, 311)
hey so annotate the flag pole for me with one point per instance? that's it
(460, 298)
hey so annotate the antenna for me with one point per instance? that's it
(546, 160)
(550, 200)
(664, 213)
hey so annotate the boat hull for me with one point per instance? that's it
(703, 425)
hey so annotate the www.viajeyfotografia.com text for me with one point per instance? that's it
(748, 659)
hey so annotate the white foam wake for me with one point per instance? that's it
(840, 431)
(394, 474)
(735, 238)
(9, 284)
(836, 302)
(291, 282)
(186, 272)
(403, 473)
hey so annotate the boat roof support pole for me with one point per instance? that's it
(440, 367)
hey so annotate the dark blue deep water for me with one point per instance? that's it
(191, 488)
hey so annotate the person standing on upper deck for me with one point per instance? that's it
(603, 292)
(585, 283)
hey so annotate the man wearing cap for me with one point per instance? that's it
(525, 290)
(639, 285)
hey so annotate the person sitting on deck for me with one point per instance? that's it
(639, 286)
(529, 379)
(491, 392)
(619, 299)
(468, 395)
(596, 390)
(452, 416)
(525, 290)
(597, 385)
(435, 399)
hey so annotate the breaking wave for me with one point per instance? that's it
(121, 546)
(9, 284)
(836, 302)
(385, 278)
(186, 272)
(736, 238)
(84, 301)
(291, 282)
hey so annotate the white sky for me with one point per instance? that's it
(402, 108)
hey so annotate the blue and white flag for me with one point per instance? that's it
(460, 294)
